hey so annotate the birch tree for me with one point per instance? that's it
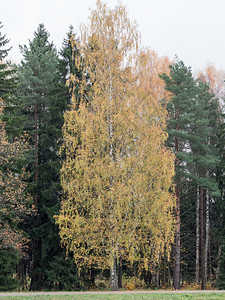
(117, 172)
(215, 79)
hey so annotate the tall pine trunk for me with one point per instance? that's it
(197, 237)
(176, 271)
(207, 237)
(202, 240)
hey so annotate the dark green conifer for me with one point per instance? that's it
(192, 128)
(8, 89)
(8, 257)
(42, 95)
(180, 107)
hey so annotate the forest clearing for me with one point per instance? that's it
(139, 295)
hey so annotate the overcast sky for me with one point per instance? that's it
(192, 29)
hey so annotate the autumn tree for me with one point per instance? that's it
(215, 79)
(14, 200)
(15, 204)
(117, 172)
(152, 65)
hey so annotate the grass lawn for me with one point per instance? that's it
(157, 296)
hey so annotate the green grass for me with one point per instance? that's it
(158, 296)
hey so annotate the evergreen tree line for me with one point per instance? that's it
(46, 103)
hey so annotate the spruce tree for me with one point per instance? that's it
(43, 104)
(8, 261)
(8, 89)
(66, 63)
(13, 201)
(7, 84)
(72, 73)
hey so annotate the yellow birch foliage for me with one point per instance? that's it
(215, 79)
(151, 65)
(117, 172)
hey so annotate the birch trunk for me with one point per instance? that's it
(113, 270)
(197, 238)
(113, 276)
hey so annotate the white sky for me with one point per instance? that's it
(192, 29)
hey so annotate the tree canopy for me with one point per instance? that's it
(117, 172)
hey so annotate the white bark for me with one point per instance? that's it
(113, 275)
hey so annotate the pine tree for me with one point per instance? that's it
(220, 232)
(42, 95)
(203, 163)
(192, 135)
(181, 84)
